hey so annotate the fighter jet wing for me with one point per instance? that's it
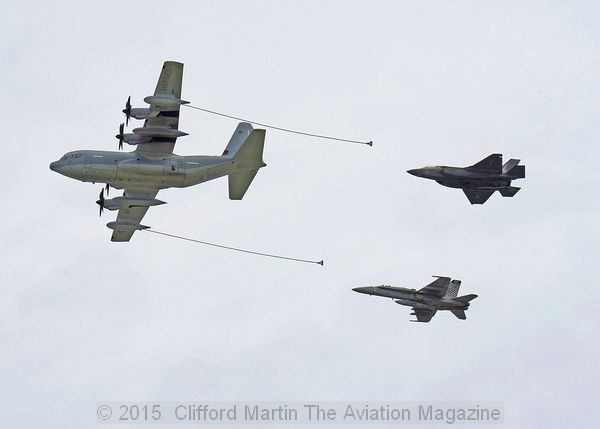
(491, 163)
(437, 288)
(129, 218)
(164, 115)
(477, 196)
(423, 314)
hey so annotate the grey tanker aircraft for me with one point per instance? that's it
(479, 181)
(441, 294)
(153, 166)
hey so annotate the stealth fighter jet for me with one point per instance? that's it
(479, 181)
(441, 294)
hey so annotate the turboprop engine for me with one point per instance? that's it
(140, 112)
(158, 132)
(164, 102)
(133, 139)
(117, 203)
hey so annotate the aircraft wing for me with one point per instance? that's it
(423, 314)
(437, 288)
(491, 163)
(129, 218)
(165, 115)
(478, 196)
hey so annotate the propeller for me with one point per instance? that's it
(107, 189)
(120, 136)
(100, 201)
(127, 110)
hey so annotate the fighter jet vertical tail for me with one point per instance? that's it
(453, 289)
(508, 165)
(246, 147)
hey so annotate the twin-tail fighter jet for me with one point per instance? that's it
(153, 166)
(479, 181)
(441, 294)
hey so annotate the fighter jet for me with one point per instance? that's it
(479, 181)
(153, 166)
(441, 294)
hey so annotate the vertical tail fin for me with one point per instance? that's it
(510, 164)
(246, 147)
(453, 288)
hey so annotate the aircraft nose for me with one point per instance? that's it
(414, 172)
(53, 166)
(368, 290)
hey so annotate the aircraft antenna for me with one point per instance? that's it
(287, 130)
(236, 249)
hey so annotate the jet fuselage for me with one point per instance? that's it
(465, 178)
(413, 298)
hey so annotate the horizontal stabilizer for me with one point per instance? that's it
(492, 163)
(466, 298)
(517, 172)
(509, 192)
(478, 196)
(460, 314)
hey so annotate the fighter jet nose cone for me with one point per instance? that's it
(53, 166)
(414, 172)
(367, 290)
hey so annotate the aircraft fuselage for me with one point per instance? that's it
(464, 178)
(129, 169)
(413, 298)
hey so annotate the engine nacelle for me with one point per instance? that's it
(140, 112)
(164, 101)
(158, 132)
(127, 202)
(134, 139)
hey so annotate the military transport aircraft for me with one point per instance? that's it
(441, 294)
(153, 166)
(479, 181)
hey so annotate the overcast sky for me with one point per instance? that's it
(438, 82)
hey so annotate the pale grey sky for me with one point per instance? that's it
(83, 319)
